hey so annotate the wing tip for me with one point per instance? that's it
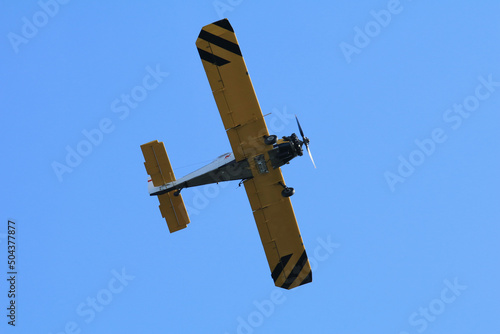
(296, 277)
(307, 279)
(224, 23)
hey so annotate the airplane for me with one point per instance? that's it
(255, 160)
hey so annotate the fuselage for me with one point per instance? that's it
(226, 168)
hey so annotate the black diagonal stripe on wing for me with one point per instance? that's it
(211, 58)
(280, 266)
(224, 23)
(307, 279)
(295, 271)
(220, 42)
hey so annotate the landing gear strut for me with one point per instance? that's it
(287, 191)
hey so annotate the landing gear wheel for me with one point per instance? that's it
(270, 140)
(287, 192)
(177, 192)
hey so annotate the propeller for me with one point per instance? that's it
(305, 140)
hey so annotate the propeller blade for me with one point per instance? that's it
(300, 128)
(305, 140)
(310, 155)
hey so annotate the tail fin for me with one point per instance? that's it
(158, 166)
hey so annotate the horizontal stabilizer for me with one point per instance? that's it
(157, 163)
(158, 166)
(172, 208)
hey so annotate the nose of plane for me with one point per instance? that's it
(305, 140)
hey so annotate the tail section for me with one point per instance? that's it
(158, 166)
(157, 163)
(172, 208)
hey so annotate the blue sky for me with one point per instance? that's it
(400, 220)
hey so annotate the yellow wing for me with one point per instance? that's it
(278, 230)
(232, 88)
(245, 126)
